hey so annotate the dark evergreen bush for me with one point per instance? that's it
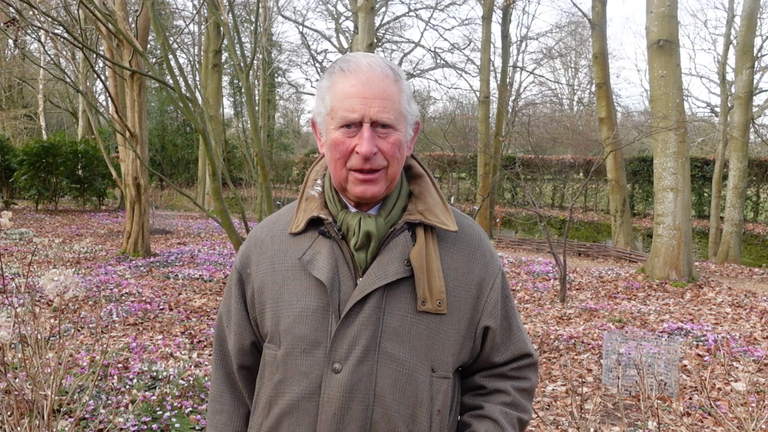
(7, 169)
(41, 173)
(48, 170)
(87, 177)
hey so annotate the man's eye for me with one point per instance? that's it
(350, 126)
(382, 126)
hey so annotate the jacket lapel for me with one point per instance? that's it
(324, 261)
(427, 206)
(391, 264)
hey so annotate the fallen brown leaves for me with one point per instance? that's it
(723, 326)
(722, 320)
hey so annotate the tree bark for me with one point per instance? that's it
(241, 61)
(365, 25)
(502, 110)
(484, 152)
(618, 198)
(85, 129)
(722, 129)
(134, 159)
(203, 190)
(671, 254)
(41, 87)
(733, 224)
(213, 142)
(267, 87)
(213, 99)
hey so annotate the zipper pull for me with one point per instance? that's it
(337, 228)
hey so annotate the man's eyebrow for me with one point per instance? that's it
(354, 118)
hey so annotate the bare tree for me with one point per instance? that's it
(722, 128)
(484, 151)
(733, 224)
(211, 76)
(135, 153)
(671, 254)
(434, 41)
(618, 198)
(243, 59)
(502, 105)
(41, 82)
(364, 15)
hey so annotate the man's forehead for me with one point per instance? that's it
(345, 110)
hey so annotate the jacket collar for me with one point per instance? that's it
(426, 206)
(427, 209)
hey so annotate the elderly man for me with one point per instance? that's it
(369, 304)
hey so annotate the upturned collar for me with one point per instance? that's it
(427, 204)
(427, 210)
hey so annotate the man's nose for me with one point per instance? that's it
(366, 141)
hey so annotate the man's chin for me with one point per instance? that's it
(365, 201)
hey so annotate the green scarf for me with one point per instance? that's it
(364, 232)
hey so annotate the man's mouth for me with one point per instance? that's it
(367, 171)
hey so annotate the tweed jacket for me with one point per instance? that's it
(303, 344)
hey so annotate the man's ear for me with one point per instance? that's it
(412, 142)
(318, 137)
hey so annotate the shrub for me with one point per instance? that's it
(54, 168)
(41, 172)
(7, 169)
(87, 176)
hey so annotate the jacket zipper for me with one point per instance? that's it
(337, 235)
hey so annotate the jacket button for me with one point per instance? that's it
(407, 263)
(423, 302)
(336, 368)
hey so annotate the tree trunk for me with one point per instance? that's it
(733, 224)
(116, 96)
(671, 254)
(41, 87)
(364, 12)
(267, 88)
(722, 129)
(502, 108)
(133, 161)
(238, 56)
(85, 129)
(213, 142)
(618, 198)
(203, 190)
(211, 77)
(484, 153)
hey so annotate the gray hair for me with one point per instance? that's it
(360, 63)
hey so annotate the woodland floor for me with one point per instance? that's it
(158, 314)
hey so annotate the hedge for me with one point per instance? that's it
(553, 180)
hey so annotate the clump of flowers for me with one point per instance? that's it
(58, 284)
(540, 268)
(17, 234)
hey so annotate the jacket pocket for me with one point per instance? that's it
(445, 402)
(263, 388)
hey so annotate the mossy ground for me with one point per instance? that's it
(754, 250)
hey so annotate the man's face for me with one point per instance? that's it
(364, 142)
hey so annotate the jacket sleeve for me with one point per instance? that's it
(498, 386)
(236, 356)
